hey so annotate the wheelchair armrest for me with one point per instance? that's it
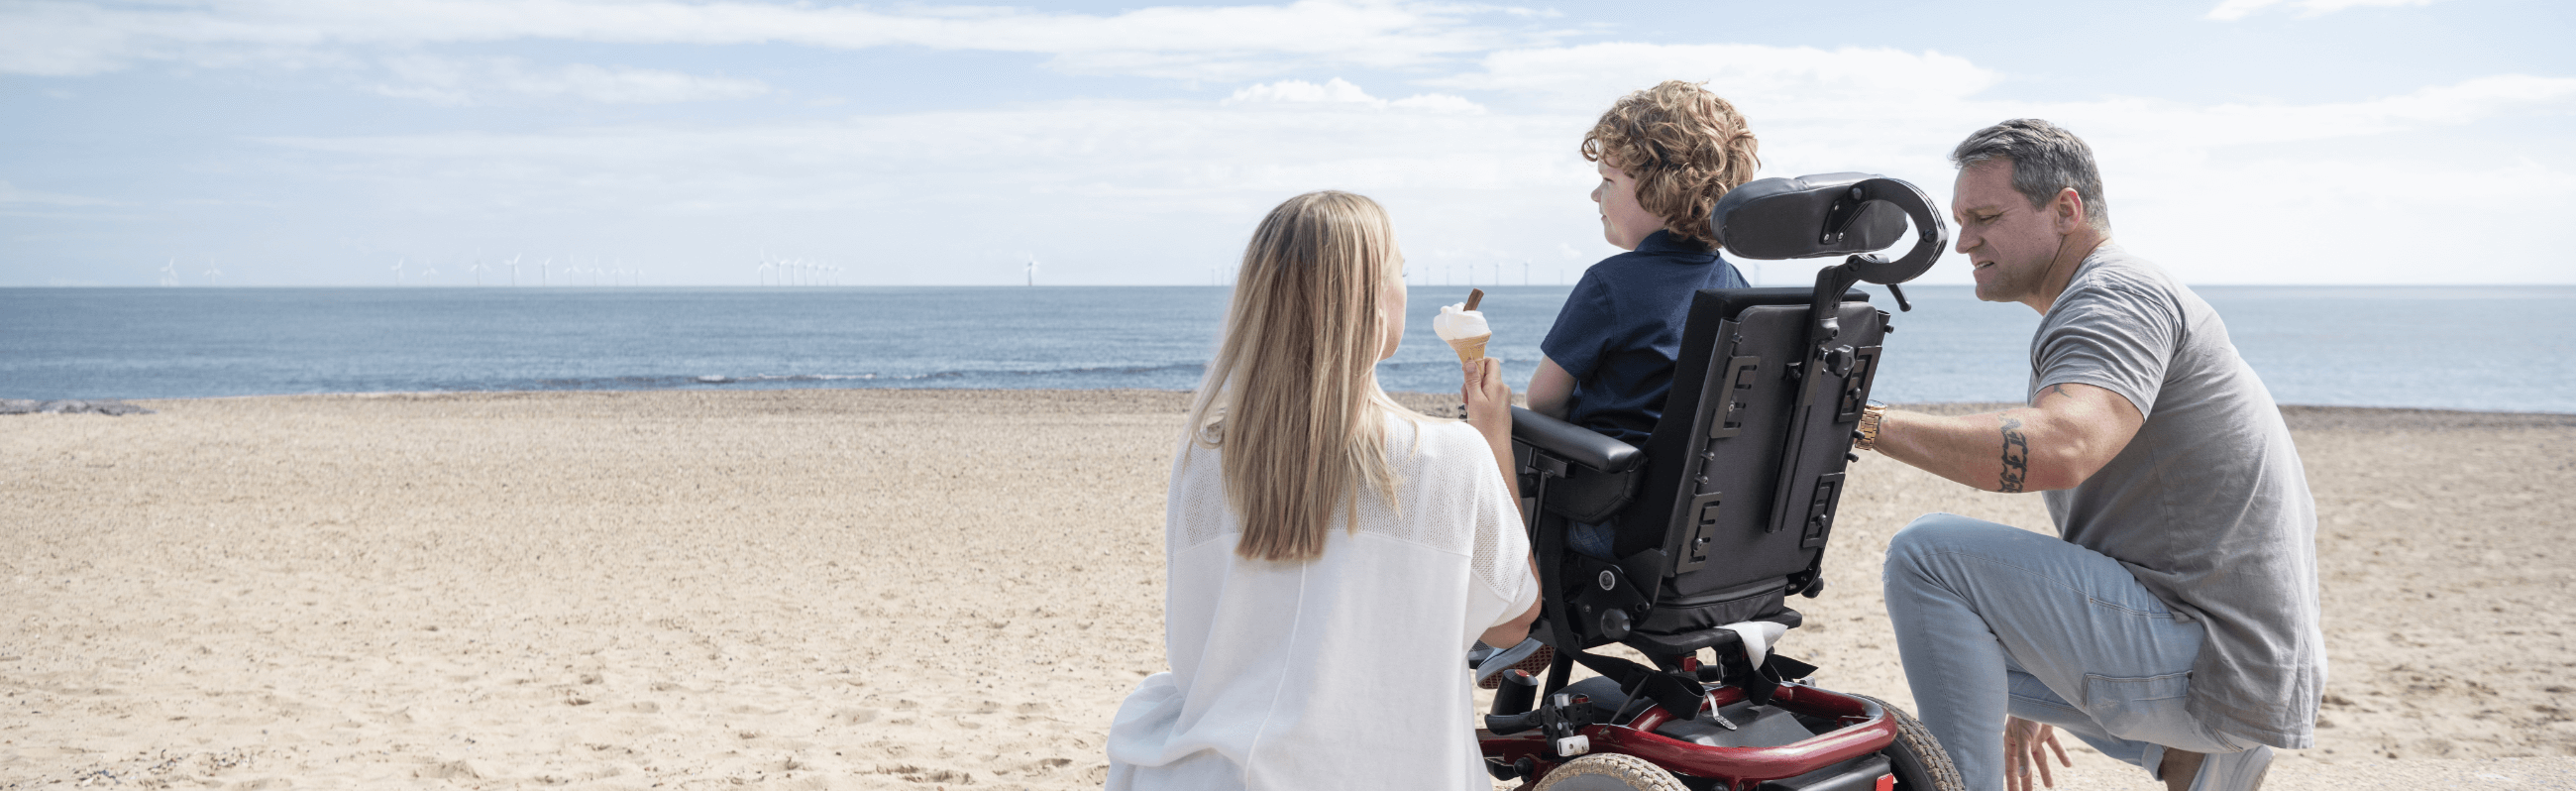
(1574, 443)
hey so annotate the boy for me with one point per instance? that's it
(1665, 155)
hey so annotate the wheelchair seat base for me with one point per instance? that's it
(1840, 730)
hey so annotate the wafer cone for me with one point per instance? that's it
(1470, 349)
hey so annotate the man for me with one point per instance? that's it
(2173, 622)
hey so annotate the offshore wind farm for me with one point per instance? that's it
(797, 326)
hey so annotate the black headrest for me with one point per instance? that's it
(1831, 214)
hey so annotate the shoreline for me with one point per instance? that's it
(2299, 414)
(883, 588)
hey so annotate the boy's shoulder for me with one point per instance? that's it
(1652, 266)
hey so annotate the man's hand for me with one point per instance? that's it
(2022, 742)
(1489, 410)
(2068, 432)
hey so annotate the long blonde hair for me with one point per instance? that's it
(1292, 396)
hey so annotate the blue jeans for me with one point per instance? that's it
(1592, 539)
(1991, 619)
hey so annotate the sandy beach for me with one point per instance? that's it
(947, 589)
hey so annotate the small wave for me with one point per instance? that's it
(1003, 374)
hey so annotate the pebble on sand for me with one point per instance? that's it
(29, 406)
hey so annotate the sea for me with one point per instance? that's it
(2482, 348)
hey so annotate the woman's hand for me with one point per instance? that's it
(1489, 410)
(1489, 400)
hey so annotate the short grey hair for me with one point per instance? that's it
(2045, 158)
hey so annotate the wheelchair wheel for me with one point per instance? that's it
(1610, 772)
(1916, 758)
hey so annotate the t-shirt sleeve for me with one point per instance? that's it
(1503, 587)
(1730, 277)
(2112, 337)
(1583, 328)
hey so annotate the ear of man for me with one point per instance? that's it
(2066, 212)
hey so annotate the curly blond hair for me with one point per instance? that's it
(1683, 145)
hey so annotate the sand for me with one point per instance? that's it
(940, 589)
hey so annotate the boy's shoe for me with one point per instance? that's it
(2233, 771)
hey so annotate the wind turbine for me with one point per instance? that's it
(542, 279)
(1032, 270)
(514, 269)
(477, 268)
(426, 273)
(211, 272)
(170, 273)
(398, 267)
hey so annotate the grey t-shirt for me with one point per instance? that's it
(2208, 505)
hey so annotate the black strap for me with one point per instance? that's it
(1677, 695)
(1765, 681)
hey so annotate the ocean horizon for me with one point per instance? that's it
(2478, 348)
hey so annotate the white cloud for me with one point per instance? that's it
(2232, 10)
(1782, 80)
(58, 37)
(454, 81)
(1303, 92)
(13, 194)
(2189, 185)
(1480, 166)
(1339, 91)
(1438, 102)
(1143, 188)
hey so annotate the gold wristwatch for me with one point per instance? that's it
(1870, 417)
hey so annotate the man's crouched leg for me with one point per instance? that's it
(1993, 620)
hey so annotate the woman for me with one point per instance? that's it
(1331, 554)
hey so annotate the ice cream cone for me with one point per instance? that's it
(1470, 349)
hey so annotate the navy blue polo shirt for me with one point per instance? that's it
(1621, 330)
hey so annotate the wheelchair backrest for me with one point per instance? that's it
(1742, 476)
(1739, 509)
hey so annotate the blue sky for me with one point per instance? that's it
(321, 143)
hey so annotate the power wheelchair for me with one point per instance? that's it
(1720, 518)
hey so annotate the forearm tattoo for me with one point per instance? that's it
(2016, 457)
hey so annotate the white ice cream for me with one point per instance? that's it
(1456, 322)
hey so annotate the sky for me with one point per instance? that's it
(327, 142)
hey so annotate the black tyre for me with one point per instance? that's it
(1916, 758)
(1610, 772)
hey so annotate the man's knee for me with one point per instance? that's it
(1933, 534)
(1914, 555)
